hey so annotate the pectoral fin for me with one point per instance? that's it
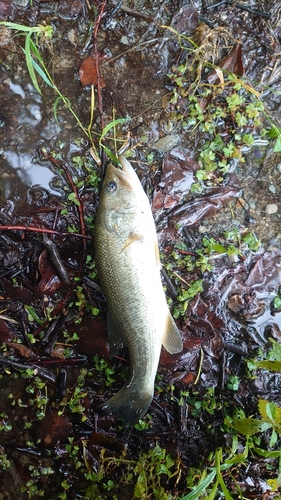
(131, 239)
(172, 339)
(114, 336)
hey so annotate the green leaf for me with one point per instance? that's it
(277, 306)
(250, 426)
(274, 413)
(217, 247)
(273, 439)
(140, 490)
(214, 491)
(72, 197)
(275, 351)
(34, 315)
(252, 241)
(237, 459)
(275, 484)
(224, 488)
(58, 99)
(277, 147)
(43, 75)
(271, 411)
(274, 132)
(248, 139)
(266, 453)
(263, 411)
(273, 366)
(110, 155)
(35, 51)
(20, 27)
(110, 126)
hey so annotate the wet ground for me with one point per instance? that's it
(55, 367)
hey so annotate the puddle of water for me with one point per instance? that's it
(28, 121)
(29, 173)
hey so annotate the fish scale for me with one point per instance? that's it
(127, 261)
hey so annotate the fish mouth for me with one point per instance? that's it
(125, 174)
(125, 164)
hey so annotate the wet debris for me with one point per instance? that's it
(138, 14)
(54, 428)
(186, 19)
(241, 6)
(7, 10)
(232, 63)
(192, 212)
(15, 292)
(177, 176)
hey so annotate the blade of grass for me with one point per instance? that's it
(110, 126)
(29, 63)
(111, 155)
(92, 109)
(201, 488)
(213, 492)
(42, 73)
(218, 459)
(58, 99)
(224, 488)
(48, 30)
(36, 52)
(31, 311)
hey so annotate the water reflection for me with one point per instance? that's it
(28, 171)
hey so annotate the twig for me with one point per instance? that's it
(56, 259)
(34, 229)
(97, 61)
(169, 284)
(46, 375)
(132, 12)
(241, 6)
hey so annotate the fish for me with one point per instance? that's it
(128, 265)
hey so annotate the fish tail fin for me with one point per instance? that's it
(128, 404)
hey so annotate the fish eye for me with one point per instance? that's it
(111, 186)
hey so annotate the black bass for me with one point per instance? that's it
(128, 265)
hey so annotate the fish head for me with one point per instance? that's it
(121, 182)
(122, 199)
